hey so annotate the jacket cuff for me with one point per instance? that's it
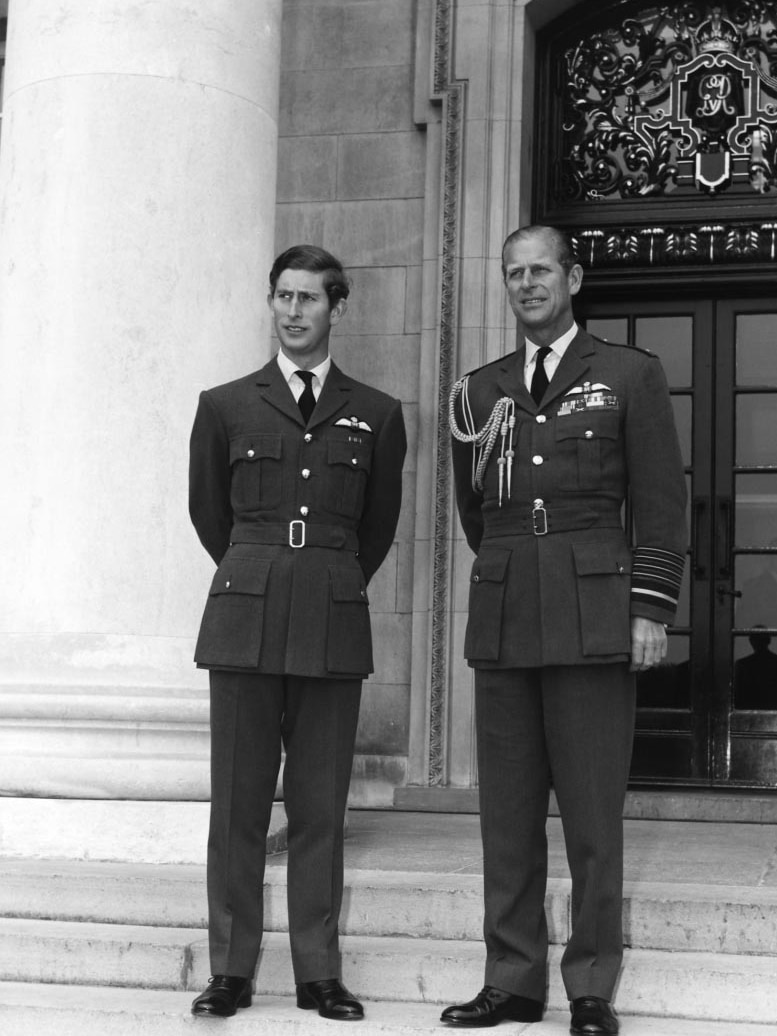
(655, 583)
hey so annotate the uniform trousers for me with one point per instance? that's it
(252, 715)
(574, 726)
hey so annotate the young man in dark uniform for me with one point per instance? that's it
(295, 489)
(547, 442)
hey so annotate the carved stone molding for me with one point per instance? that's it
(452, 95)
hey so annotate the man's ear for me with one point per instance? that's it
(269, 299)
(575, 279)
(337, 312)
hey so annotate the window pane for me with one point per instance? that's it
(756, 581)
(756, 510)
(683, 417)
(671, 339)
(757, 349)
(667, 686)
(614, 329)
(756, 429)
(755, 672)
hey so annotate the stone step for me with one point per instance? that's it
(674, 917)
(54, 1010)
(712, 986)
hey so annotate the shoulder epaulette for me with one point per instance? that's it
(623, 345)
(485, 366)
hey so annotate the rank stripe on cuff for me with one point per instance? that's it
(655, 574)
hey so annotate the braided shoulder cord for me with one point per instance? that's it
(482, 441)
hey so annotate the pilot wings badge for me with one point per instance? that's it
(587, 397)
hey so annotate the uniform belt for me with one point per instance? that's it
(295, 534)
(541, 520)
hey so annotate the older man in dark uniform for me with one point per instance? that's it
(295, 488)
(548, 442)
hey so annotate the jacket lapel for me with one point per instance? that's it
(573, 365)
(335, 394)
(510, 380)
(275, 390)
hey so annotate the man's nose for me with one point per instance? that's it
(295, 306)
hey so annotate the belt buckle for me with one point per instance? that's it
(539, 514)
(293, 533)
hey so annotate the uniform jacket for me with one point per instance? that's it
(254, 469)
(556, 583)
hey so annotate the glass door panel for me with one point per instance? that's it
(756, 429)
(747, 592)
(709, 714)
(671, 339)
(664, 746)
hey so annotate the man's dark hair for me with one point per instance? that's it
(314, 260)
(565, 252)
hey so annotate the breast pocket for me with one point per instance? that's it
(257, 481)
(604, 597)
(483, 639)
(348, 469)
(588, 437)
(232, 625)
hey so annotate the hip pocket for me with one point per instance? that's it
(232, 624)
(483, 640)
(603, 596)
(349, 637)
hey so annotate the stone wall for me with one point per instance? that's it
(351, 170)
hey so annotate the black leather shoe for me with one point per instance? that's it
(492, 1006)
(223, 995)
(591, 1016)
(331, 998)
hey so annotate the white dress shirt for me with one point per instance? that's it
(296, 384)
(552, 360)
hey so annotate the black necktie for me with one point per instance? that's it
(539, 381)
(307, 400)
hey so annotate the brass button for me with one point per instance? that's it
(250, 453)
(305, 472)
(228, 584)
(476, 579)
(541, 419)
(304, 511)
(536, 459)
(308, 437)
(354, 460)
(589, 434)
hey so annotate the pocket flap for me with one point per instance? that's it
(241, 576)
(491, 565)
(597, 559)
(347, 584)
(355, 455)
(254, 446)
(588, 425)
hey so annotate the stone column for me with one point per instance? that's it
(137, 196)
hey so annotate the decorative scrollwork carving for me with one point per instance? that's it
(656, 246)
(680, 97)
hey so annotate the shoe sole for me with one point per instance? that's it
(454, 1023)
